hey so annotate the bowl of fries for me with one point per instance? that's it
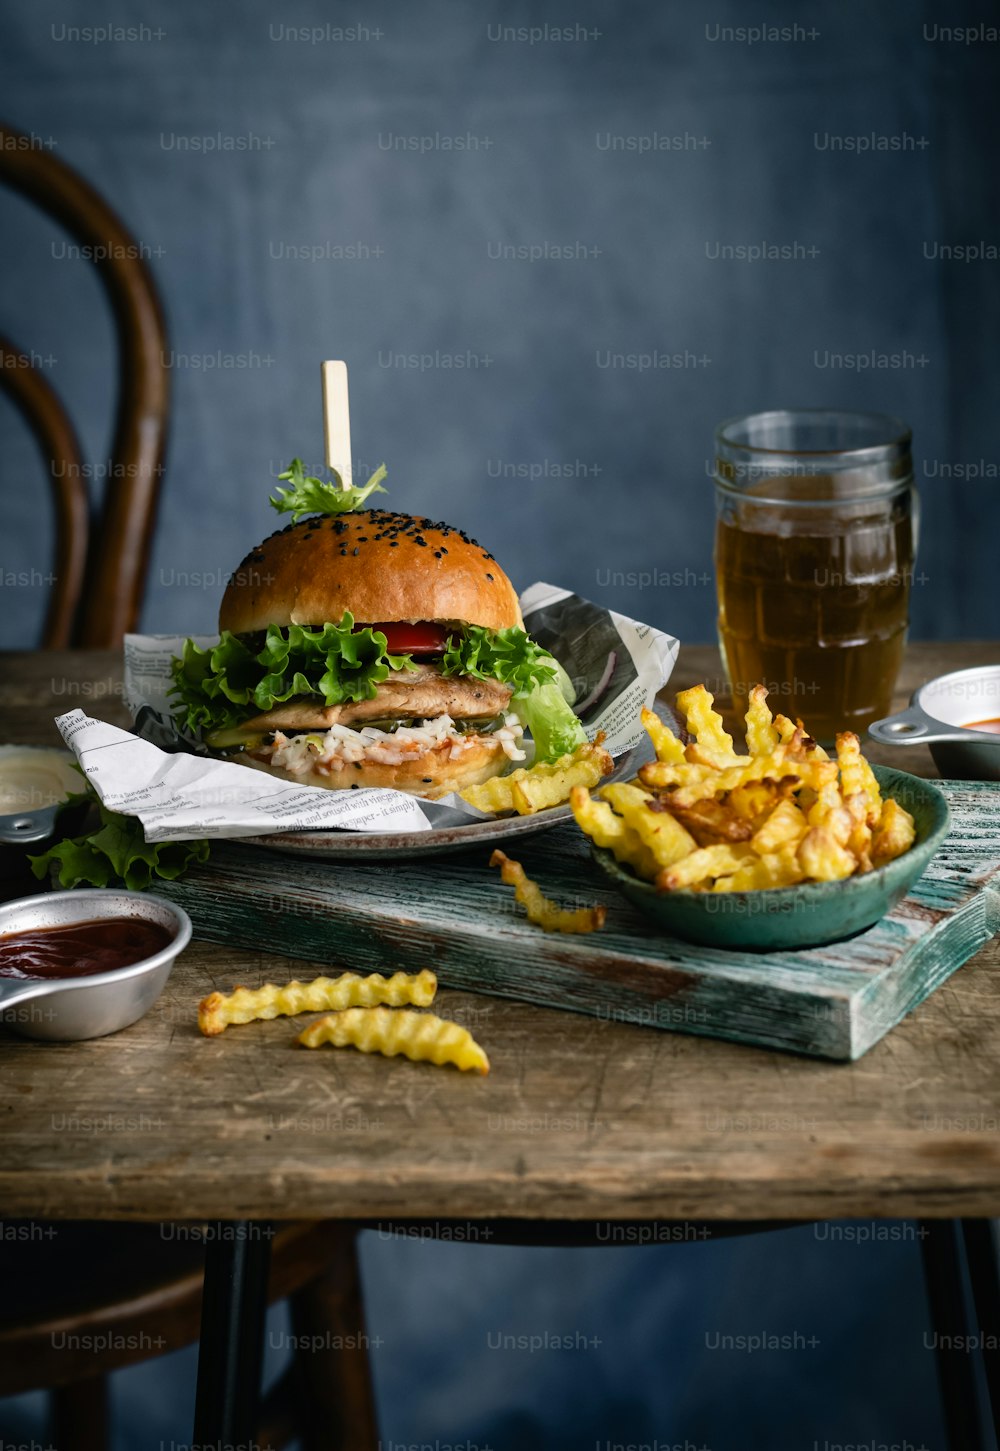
(782, 847)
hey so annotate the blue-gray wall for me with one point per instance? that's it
(540, 122)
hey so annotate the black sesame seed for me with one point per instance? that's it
(489, 576)
(357, 550)
(427, 780)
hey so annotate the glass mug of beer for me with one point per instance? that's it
(816, 522)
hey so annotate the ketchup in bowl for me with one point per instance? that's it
(993, 726)
(81, 949)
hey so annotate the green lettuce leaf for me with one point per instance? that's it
(118, 852)
(224, 684)
(542, 689)
(309, 495)
(549, 717)
(507, 655)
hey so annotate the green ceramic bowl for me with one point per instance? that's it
(810, 914)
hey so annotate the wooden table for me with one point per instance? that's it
(579, 1119)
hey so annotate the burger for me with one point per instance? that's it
(362, 647)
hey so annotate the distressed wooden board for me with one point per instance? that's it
(456, 916)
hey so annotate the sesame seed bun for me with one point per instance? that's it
(383, 567)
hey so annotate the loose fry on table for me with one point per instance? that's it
(611, 831)
(247, 1005)
(665, 743)
(894, 834)
(541, 909)
(665, 837)
(762, 738)
(533, 788)
(422, 1037)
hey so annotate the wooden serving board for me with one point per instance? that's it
(455, 916)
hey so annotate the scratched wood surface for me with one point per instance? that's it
(581, 1117)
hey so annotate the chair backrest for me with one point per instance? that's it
(100, 566)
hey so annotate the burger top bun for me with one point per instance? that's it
(381, 566)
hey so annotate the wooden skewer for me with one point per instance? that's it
(337, 421)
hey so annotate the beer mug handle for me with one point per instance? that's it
(915, 519)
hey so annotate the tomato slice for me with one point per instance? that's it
(422, 638)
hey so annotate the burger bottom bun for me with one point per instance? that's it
(431, 774)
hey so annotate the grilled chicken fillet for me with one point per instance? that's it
(406, 694)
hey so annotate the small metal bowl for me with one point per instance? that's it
(810, 914)
(937, 716)
(64, 1010)
(33, 811)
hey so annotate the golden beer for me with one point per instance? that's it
(814, 553)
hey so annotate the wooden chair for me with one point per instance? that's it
(99, 572)
(83, 1300)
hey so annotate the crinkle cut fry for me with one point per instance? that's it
(421, 1037)
(533, 788)
(761, 736)
(778, 767)
(856, 775)
(605, 828)
(665, 743)
(712, 744)
(247, 1005)
(661, 832)
(540, 909)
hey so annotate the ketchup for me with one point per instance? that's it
(80, 949)
(993, 726)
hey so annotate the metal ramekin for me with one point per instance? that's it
(937, 717)
(63, 1010)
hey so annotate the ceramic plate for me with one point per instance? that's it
(395, 846)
